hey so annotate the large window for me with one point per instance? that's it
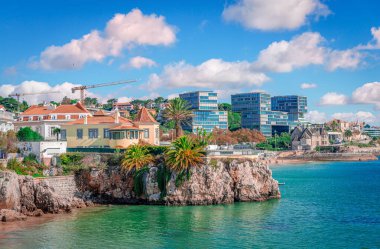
(106, 133)
(63, 134)
(92, 133)
(79, 133)
(146, 133)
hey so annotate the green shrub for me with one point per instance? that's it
(138, 185)
(156, 150)
(20, 169)
(28, 135)
(182, 177)
(213, 163)
(163, 177)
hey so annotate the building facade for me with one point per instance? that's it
(206, 115)
(6, 120)
(256, 113)
(111, 131)
(295, 106)
(309, 138)
(372, 131)
(44, 119)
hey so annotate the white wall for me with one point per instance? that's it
(44, 149)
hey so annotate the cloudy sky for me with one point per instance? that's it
(327, 50)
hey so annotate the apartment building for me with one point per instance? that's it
(6, 120)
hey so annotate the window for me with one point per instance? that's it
(53, 117)
(106, 133)
(146, 133)
(63, 134)
(92, 133)
(67, 117)
(79, 133)
(157, 132)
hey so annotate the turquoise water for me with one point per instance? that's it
(331, 205)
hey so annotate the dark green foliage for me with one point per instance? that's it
(234, 121)
(331, 149)
(277, 142)
(163, 177)
(12, 105)
(156, 150)
(182, 177)
(138, 185)
(26, 134)
(224, 107)
(71, 162)
(20, 169)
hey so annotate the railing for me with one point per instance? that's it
(94, 150)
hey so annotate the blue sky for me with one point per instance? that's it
(230, 46)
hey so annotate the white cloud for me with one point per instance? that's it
(369, 93)
(213, 73)
(304, 50)
(139, 62)
(31, 86)
(124, 99)
(367, 117)
(274, 14)
(308, 85)
(333, 98)
(122, 31)
(375, 43)
(173, 96)
(346, 59)
(316, 117)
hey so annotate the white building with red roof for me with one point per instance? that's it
(45, 118)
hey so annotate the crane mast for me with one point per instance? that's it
(18, 95)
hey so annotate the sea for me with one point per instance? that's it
(323, 205)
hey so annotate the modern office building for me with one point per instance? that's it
(295, 106)
(205, 111)
(256, 113)
(372, 131)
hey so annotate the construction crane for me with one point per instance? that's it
(18, 95)
(82, 88)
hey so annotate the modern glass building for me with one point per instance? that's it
(372, 131)
(295, 106)
(256, 113)
(205, 111)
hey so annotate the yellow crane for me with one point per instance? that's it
(18, 95)
(83, 88)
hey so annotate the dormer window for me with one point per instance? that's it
(54, 117)
(30, 118)
(81, 116)
(40, 117)
(68, 116)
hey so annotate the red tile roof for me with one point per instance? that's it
(125, 127)
(143, 116)
(62, 109)
(100, 113)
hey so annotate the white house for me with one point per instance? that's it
(6, 120)
(44, 119)
(44, 150)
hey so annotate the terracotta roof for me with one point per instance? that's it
(100, 113)
(122, 103)
(62, 109)
(143, 116)
(77, 108)
(125, 127)
(102, 120)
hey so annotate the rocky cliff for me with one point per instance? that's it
(22, 196)
(219, 181)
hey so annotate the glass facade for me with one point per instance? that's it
(295, 106)
(205, 111)
(256, 113)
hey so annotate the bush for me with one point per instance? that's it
(26, 134)
(163, 177)
(71, 162)
(138, 185)
(156, 150)
(20, 169)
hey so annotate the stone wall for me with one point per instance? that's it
(64, 186)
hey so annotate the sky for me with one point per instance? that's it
(327, 50)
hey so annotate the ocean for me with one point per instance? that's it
(323, 205)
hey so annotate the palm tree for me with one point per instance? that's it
(136, 157)
(179, 111)
(184, 154)
(348, 133)
(57, 131)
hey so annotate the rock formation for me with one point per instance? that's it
(21, 196)
(220, 181)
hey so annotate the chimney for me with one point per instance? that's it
(85, 119)
(117, 115)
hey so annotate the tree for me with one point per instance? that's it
(66, 101)
(179, 111)
(136, 157)
(57, 131)
(248, 136)
(184, 154)
(91, 101)
(109, 105)
(348, 134)
(223, 137)
(234, 121)
(159, 100)
(26, 134)
(225, 107)
(12, 105)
